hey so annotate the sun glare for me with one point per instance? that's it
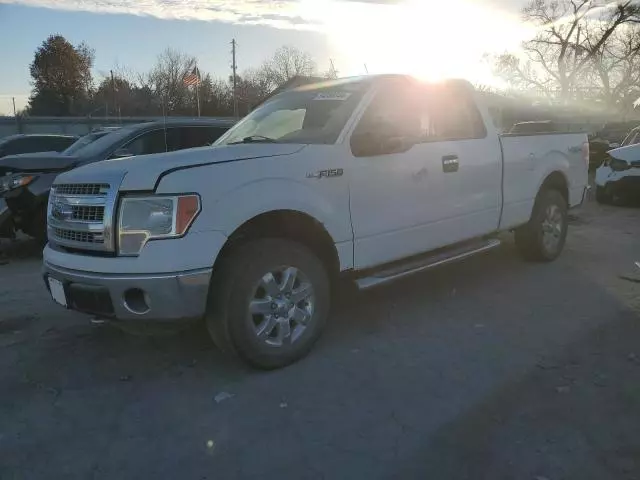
(428, 39)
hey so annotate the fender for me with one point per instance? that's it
(227, 205)
(554, 162)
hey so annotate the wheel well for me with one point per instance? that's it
(291, 225)
(556, 181)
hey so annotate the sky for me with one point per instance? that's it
(427, 38)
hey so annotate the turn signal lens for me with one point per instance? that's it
(188, 208)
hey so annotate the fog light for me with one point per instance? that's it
(136, 301)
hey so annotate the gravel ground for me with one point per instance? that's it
(489, 369)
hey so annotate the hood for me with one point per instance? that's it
(630, 154)
(143, 172)
(36, 162)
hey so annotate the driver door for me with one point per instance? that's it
(394, 194)
(434, 180)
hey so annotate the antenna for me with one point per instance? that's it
(164, 120)
(234, 69)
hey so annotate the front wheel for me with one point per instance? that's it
(269, 302)
(543, 237)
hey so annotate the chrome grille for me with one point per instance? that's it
(81, 189)
(80, 216)
(87, 213)
(75, 236)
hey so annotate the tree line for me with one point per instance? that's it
(63, 84)
(584, 51)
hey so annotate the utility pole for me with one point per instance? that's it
(15, 115)
(333, 72)
(234, 68)
(113, 92)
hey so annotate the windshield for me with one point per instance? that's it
(83, 142)
(632, 138)
(311, 115)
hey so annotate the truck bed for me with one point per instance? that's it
(529, 159)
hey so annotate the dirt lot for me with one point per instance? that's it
(489, 369)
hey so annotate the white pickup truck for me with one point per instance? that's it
(372, 178)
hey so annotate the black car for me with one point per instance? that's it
(35, 142)
(25, 180)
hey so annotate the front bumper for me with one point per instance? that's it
(180, 296)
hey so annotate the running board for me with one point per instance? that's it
(425, 263)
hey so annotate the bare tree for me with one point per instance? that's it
(166, 80)
(572, 36)
(287, 62)
(616, 68)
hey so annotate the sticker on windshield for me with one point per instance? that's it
(340, 96)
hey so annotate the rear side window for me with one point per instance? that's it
(450, 114)
(147, 143)
(179, 138)
(427, 114)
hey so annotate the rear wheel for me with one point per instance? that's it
(543, 237)
(269, 302)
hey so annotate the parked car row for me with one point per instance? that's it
(26, 179)
(35, 142)
(618, 178)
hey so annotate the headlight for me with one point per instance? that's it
(147, 218)
(11, 182)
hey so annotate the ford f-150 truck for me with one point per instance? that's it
(369, 178)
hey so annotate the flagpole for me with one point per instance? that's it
(198, 88)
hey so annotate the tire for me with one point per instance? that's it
(603, 196)
(252, 309)
(543, 237)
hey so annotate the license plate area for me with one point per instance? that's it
(57, 291)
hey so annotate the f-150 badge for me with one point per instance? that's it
(334, 172)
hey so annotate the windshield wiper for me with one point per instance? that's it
(255, 139)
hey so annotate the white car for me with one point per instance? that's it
(619, 175)
(367, 178)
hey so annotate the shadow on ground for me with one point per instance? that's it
(575, 416)
(19, 248)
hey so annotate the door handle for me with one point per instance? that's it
(450, 163)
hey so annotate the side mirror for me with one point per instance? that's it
(380, 139)
(122, 153)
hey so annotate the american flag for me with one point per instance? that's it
(192, 78)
